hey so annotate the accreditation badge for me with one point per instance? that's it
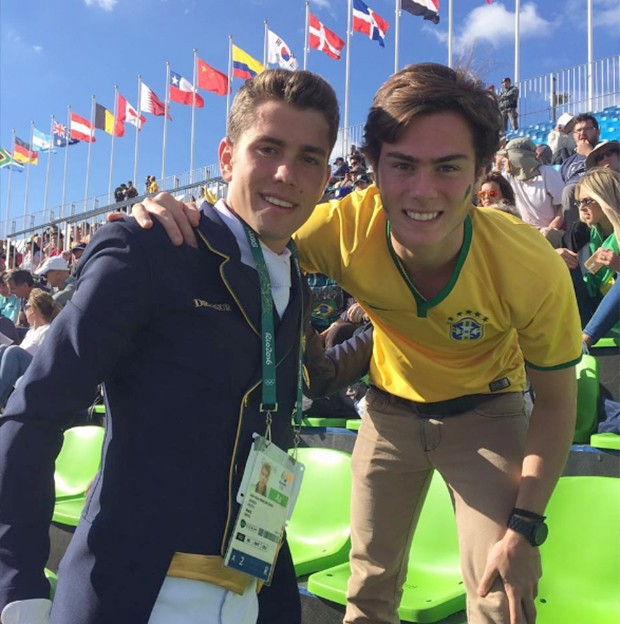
(267, 495)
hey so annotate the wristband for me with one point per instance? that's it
(528, 514)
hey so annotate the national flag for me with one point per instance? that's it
(322, 38)
(366, 21)
(127, 113)
(210, 79)
(23, 153)
(279, 53)
(428, 9)
(81, 129)
(61, 137)
(182, 91)
(7, 160)
(41, 142)
(150, 103)
(104, 120)
(245, 66)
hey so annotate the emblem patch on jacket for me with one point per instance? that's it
(218, 307)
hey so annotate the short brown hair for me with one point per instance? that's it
(425, 89)
(299, 88)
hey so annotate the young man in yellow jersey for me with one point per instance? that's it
(463, 300)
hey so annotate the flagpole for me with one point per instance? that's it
(397, 13)
(90, 143)
(193, 128)
(345, 134)
(135, 157)
(590, 59)
(47, 172)
(166, 105)
(450, 33)
(517, 15)
(111, 175)
(67, 138)
(230, 78)
(28, 175)
(8, 194)
(265, 37)
(306, 36)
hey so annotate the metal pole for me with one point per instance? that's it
(517, 12)
(135, 157)
(450, 33)
(167, 104)
(397, 13)
(306, 35)
(345, 134)
(193, 129)
(90, 144)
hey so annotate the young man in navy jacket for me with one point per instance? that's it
(183, 386)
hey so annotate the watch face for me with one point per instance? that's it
(539, 534)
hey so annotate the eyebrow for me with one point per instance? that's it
(441, 159)
(312, 149)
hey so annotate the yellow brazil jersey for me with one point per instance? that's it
(510, 298)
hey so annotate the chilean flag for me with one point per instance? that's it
(182, 91)
(366, 21)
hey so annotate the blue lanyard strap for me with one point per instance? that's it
(269, 397)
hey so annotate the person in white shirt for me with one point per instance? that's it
(41, 309)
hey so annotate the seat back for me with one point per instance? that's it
(78, 460)
(318, 532)
(587, 399)
(581, 558)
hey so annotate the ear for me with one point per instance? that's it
(225, 154)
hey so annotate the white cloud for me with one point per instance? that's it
(37, 48)
(606, 14)
(495, 24)
(106, 5)
(321, 4)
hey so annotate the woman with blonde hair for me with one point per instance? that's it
(41, 310)
(602, 186)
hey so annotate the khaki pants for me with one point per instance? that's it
(479, 454)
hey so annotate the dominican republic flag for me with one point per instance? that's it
(182, 91)
(279, 53)
(61, 136)
(366, 21)
(81, 129)
(428, 9)
(322, 38)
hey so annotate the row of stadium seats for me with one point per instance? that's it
(581, 562)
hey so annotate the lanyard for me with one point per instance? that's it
(269, 401)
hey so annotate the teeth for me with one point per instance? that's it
(422, 216)
(279, 202)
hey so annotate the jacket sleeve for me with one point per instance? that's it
(329, 370)
(84, 343)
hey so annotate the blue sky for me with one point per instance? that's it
(57, 53)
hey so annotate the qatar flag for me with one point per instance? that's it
(279, 53)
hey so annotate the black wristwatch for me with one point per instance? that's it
(533, 529)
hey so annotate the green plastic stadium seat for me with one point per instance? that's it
(581, 558)
(607, 342)
(354, 424)
(52, 579)
(76, 467)
(311, 421)
(433, 589)
(587, 399)
(318, 532)
(605, 441)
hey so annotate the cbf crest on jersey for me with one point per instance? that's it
(468, 325)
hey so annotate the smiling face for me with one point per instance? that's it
(426, 180)
(277, 170)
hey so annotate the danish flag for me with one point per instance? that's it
(322, 38)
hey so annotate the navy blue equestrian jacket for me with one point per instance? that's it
(174, 332)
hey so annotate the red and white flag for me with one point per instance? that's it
(81, 129)
(125, 112)
(150, 103)
(324, 39)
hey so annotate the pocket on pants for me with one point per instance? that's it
(508, 405)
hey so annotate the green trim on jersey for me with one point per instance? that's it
(423, 305)
(550, 368)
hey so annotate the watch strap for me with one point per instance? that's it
(528, 514)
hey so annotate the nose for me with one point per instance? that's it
(285, 172)
(423, 185)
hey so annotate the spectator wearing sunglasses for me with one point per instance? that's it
(606, 154)
(496, 192)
